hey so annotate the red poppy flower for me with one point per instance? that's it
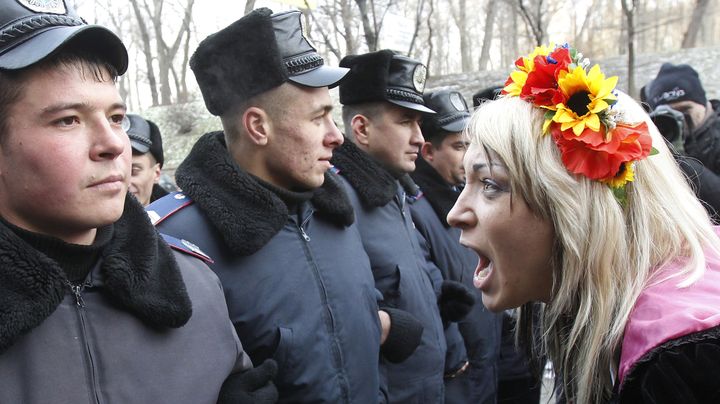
(541, 87)
(591, 155)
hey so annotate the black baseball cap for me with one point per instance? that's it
(30, 31)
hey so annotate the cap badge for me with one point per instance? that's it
(45, 6)
(419, 77)
(457, 102)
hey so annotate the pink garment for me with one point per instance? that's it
(664, 312)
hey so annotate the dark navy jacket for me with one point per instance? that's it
(298, 284)
(391, 242)
(480, 329)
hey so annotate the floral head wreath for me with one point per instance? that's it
(580, 116)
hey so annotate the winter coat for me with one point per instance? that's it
(298, 284)
(480, 329)
(391, 242)
(671, 346)
(149, 325)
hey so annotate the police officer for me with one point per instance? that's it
(258, 199)
(95, 306)
(440, 175)
(382, 107)
(147, 158)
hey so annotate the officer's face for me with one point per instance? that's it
(145, 173)
(302, 140)
(447, 159)
(65, 159)
(394, 138)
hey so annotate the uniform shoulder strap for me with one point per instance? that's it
(166, 206)
(186, 247)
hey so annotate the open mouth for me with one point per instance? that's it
(482, 272)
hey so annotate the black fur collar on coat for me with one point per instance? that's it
(374, 185)
(246, 214)
(137, 269)
(439, 193)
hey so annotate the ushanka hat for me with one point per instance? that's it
(255, 54)
(384, 76)
(32, 30)
(451, 113)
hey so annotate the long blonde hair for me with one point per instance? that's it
(605, 252)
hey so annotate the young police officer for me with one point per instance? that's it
(147, 158)
(93, 305)
(382, 107)
(440, 175)
(275, 221)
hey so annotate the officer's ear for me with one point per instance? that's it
(427, 151)
(256, 122)
(360, 129)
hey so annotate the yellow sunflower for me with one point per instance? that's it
(587, 95)
(518, 77)
(626, 174)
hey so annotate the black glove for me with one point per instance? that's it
(253, 386)
(404, 335)
(455, 301)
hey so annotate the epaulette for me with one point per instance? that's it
(186, 247)
(166, 206)
(414, 198)
(334, 170)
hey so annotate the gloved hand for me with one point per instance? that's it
(253, 386)
(404, 335)
(455, 301)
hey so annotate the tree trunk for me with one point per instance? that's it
(368, 27)
(147, 51)
(629, 11)
(699, 11)
(488, 35)
(249, 6)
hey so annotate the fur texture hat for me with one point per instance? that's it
(255, 54)
(384, 76)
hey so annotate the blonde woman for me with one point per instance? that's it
(573, 199)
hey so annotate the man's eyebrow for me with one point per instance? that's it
(52, 109)
(323, 108)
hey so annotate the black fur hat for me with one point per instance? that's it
(384, 76)
(257, 53)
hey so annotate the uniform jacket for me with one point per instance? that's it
(480, 329)
(671, 346)
(148, 326)
(298, 284)
(391, 242)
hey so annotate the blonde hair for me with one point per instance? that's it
(605, 252)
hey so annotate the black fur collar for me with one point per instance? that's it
(374, 185)
(247, 214)
(137, 270)
(439, 193)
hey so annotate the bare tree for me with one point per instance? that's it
(164, 53)
(533, 15)
(698, 13)
(370, 28)
(249, 6)
(629, 7)
(459, 14)
(147, 50)
(490, 13)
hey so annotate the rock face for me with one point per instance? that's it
(183, 124)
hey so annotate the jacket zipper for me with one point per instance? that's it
(331, 327)
(80, 306)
